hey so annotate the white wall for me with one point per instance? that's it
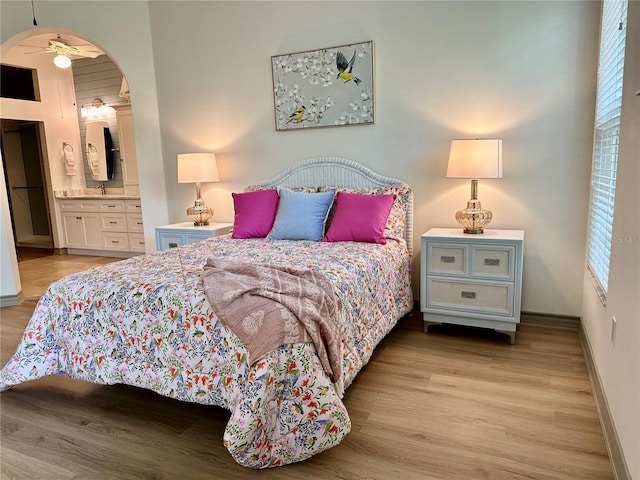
(618, 359)
(520, 71)
(10, 286)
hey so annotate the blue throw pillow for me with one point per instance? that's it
(301, 215)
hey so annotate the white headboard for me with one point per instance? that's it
(322, 171)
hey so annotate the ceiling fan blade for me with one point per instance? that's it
(57, 43)
(89, 51)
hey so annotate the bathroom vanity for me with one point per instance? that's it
(107, 225)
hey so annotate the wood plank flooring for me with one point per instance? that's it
(38, 271)
(458, 403)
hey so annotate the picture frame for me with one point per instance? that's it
(328, 87)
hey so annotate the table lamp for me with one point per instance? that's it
(474, 159)
(198, 168)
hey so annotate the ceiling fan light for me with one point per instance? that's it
(62, 61)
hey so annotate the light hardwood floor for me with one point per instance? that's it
(455, 404)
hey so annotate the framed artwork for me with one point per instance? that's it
(324, 88)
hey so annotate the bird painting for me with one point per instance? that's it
(345, 68)
(297, 115)
(310, 88)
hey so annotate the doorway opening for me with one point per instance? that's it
(25, 177)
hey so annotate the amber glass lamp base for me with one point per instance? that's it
(199, 213)
(473, 218)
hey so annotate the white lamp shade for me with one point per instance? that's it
(475, 159)
(197, 167)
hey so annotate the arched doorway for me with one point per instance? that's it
(54, 114)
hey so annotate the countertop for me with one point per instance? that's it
(83, 195)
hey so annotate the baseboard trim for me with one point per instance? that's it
(611, 439)
(549, 320)
(11, 300)
(102, 253)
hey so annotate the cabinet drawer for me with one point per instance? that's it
(134, 223)
(136, 242)
(115, 241)
(79, 205)
(493, 262)
(133, 206)
(167, 240)
(449, 294)
(447, 258)
(111, 205)
(116, 222)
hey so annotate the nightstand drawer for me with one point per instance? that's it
(495, 262)
(449, 294)
(447, 259)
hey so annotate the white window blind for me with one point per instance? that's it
(606, 140)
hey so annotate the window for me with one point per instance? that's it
(606, 140)
(17, 82)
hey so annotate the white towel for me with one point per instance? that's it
(69, 160)
(93, 157)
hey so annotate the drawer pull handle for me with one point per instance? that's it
(173, 245)
(447, 259)
(113, 223)
(115, 241)
(492, 262)
(78, 218)
(470, 295)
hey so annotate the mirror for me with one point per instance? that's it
(99, 151)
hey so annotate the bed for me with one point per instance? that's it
(148, 321)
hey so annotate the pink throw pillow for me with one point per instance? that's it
(359, 218)
(254, 213)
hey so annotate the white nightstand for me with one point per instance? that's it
(469, 279)
(177, 234)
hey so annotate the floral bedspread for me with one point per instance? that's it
(145, 321)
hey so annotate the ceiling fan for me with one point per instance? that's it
(59, 47)
(64, 50)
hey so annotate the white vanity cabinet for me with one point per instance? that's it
(113, 223)
(103, 226)
(81, 221)
(135, 228)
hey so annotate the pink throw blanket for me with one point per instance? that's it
(267, 306)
